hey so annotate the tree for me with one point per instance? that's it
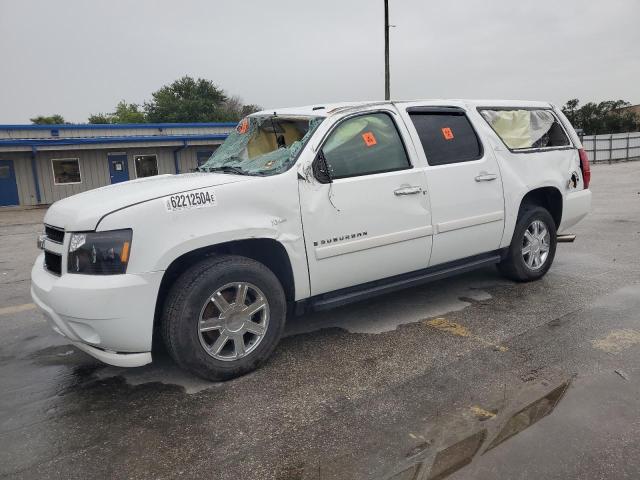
(55, 119)
(570, 110)
(187, 100)
(249, 109)
(610, 116)
(128, 113)
(125, 113)
(233, 109)
(184, 100)
(100, 118)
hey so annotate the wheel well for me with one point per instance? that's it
(267, 251)
(547, 197)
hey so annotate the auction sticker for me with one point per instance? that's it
(185, 201)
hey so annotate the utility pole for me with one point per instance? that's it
(387, 86)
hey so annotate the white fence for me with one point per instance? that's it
(614, 147)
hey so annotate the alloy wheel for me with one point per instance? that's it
(536, 245)
(233, 321)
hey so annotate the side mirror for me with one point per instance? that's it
(321, 169)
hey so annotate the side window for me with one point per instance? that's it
(446, 137)
(522, 129)
(364, 145)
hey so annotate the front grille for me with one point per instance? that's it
(54, 234)
(53, 262)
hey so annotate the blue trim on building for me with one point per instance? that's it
(34, 172)
(48, 142)
(176, 156)
(118, 126)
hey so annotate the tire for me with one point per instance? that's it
(519, 266)
(194, 326)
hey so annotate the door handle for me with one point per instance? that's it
(407, 191)
(486, 177)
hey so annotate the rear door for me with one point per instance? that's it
(464, 181)
(8, 185)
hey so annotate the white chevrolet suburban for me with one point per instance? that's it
(304, 209)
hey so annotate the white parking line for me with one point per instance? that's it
(17, 308)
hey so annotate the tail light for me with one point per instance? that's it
(584, 166)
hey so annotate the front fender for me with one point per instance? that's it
(264, 207)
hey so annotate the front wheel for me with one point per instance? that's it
(223, 317)
(533, 246)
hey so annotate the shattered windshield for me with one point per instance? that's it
(262, 145)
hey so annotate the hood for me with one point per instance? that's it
(84, 210)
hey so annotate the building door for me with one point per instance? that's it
(8, 186)
(118, 168)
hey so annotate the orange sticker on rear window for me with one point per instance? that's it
(447, 133)
(243, 126)
(369, 139)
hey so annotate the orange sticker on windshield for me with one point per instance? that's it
(447, 133)
(243, 126)
(369, 139)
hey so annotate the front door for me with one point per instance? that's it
(118, 168)
(8, 186)
(373, 221)
(464, 181)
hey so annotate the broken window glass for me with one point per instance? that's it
(263, 145)
(522, 129)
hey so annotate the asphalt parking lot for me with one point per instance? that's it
(470, 377)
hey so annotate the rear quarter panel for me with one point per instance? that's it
(523, 172)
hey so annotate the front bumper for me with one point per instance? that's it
(109, 317)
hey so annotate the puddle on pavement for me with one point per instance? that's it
(85, 369)
(388, 312)
(162, 370)
(495, 428)
(450, 443)
(57, 355)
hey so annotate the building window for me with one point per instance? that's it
(146, 165)
(203, 155)
(66, 171)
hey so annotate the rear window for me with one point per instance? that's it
(446, 137)
(525, 129)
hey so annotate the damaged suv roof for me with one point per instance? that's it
(327, 109)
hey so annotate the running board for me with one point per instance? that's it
(398, 282)
(567, 238)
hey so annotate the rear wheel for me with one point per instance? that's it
(223, 317)
(533, 246)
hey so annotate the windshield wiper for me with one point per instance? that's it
(228, 169)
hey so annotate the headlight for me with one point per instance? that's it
(99, 253)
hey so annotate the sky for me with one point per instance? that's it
(81, 57)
